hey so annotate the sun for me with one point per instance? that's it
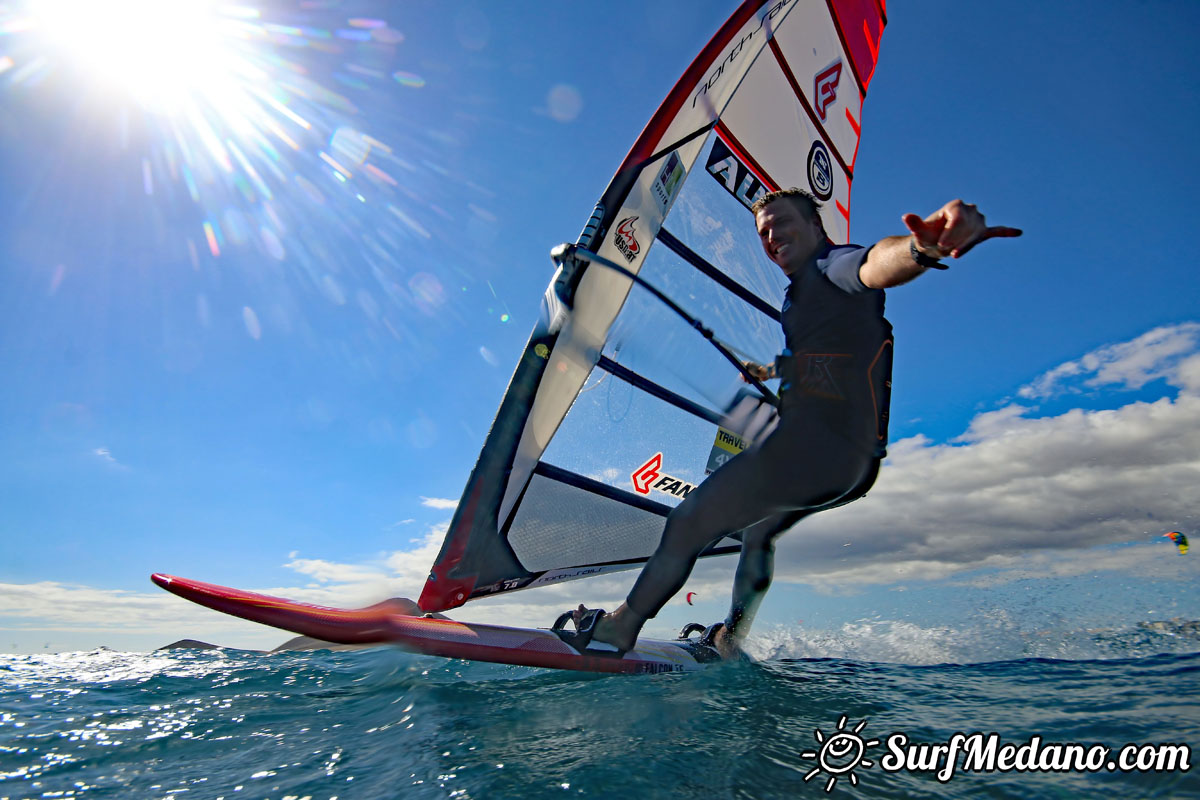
(161, 52)
(840, 754)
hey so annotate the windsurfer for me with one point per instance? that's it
(835, 380)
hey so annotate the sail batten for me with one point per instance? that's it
(662, 393)
(692, 257)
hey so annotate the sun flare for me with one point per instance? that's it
(163, 53)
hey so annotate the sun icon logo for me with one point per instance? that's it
(840, 754)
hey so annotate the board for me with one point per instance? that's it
(399, 622)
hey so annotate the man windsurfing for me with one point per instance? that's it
(832, 431)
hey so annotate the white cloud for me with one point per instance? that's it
(1024, 496)
(410, 567)
(1159, 353)
(1146, 558)
(105, 455)
(329, 571)
(56, 610)
(439, 502)
(992, 423)
(608, 475)
(1188, 374)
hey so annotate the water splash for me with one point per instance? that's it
(992, 638)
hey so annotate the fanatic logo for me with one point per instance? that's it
(825, 86)
(650, 476)
(644, 475)
(624, 239)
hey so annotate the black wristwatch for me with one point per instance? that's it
(923, 260)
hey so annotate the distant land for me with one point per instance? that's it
(296, 643)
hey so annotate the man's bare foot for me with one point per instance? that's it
(726, 643)
(619, 628)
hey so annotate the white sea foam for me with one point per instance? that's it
(996, 638)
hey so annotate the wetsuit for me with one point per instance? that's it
(825, 451)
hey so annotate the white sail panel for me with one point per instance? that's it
(814, 56)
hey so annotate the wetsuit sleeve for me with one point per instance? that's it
(841, 264)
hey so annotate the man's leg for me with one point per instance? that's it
(782, 476)
(756, 567)
(756, 564)
(663, 576)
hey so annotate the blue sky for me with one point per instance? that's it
(299, 411)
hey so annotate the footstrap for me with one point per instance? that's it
(580, 639)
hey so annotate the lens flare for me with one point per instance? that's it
(281, 134)
(162, 53)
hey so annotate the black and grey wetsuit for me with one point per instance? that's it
(838, 363)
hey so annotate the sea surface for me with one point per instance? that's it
(381, 723)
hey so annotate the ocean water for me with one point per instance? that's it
(381, 723)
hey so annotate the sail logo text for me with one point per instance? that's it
(825, 86)
(731, 440)
(715, 76)
(650, 476)
(731, 173)
(624, 239)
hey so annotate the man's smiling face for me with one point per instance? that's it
(789, 237)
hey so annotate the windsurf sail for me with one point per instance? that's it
(612, 414)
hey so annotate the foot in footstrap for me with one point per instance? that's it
(715, 638)
(709, 639)
(585, 628)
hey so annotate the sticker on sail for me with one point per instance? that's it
(667, 182)
(650, 477)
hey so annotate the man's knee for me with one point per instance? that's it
(693, 523)
(867, 474)
(682, 537)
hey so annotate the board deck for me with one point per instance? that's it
(394, 622)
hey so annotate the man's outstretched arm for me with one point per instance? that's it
(951, 231)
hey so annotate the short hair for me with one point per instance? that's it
(804, 200)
